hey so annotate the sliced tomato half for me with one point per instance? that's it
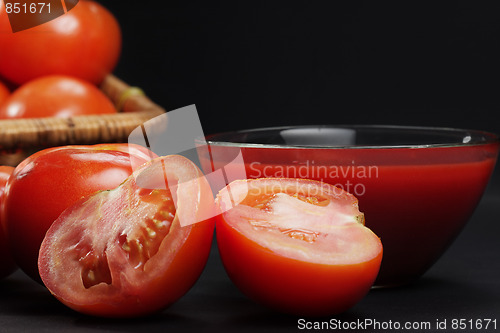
(299, 246)
(124, 252)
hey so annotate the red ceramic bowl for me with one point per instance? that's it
(417, 186)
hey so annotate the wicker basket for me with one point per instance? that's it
(21, 137)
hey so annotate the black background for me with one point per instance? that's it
(248, 64)
(265, 63)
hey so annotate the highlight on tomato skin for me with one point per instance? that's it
(297, 246)
(133, 250)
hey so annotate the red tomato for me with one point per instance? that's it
(46, 183)
(7, 264)
(4, 93)
(85, 42)
(56, 96)
(124, 252)
(299, 246)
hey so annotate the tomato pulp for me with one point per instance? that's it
(415, 200)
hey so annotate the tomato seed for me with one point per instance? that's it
(151, 232)
(95, 270)
(126, 247)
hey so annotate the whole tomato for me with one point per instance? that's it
(46, 183)
(4, 93)
(56, 96)
(85, 42)
(7, 264)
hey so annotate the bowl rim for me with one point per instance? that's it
(489, 137)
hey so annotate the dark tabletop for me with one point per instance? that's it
(463, 285)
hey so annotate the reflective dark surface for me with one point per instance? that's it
(465, 284)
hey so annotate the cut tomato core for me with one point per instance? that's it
(138, 246)
(265, 202)
(299, 219)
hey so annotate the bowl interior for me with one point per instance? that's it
(353, 136)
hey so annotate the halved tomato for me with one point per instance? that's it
(133, 250)
(299, 246)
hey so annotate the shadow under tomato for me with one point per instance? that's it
(21, 296)
(427, 297)
(263, 319)
(163, 322)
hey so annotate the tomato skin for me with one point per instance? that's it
(130, 291)
(290, 285)
(56, 96)
(85, 42)
(255, 271)
(7, 264)
(46, 183)
(4, 93)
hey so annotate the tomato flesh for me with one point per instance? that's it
(139, 247)
(124, 252)
(298, 246)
